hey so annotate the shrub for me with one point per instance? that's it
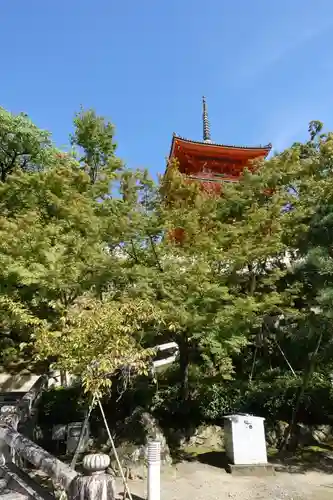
(273, 397)
(61, 406)
(218, 400)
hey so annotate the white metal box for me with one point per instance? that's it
(245, 442)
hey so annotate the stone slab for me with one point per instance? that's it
(251, 470)
(20, 382)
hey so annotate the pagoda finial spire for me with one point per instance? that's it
(206, 127)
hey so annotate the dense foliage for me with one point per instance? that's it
(91, 279)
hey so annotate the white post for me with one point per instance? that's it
(154, 470)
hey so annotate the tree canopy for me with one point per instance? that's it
(91, 278)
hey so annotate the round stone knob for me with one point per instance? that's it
(96, 463)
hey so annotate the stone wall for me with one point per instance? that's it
(212, 436)
(132, 443)
(305, 435)
(204, 436)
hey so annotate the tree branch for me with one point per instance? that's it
(155, 253)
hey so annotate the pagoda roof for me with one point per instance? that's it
(213, 148)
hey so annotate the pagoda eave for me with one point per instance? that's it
(181, 146)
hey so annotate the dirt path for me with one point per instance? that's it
(197, 481)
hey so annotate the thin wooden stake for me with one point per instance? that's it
(253, 364)
(285, 358)
(115, 451)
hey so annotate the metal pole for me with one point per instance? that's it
(154, 470)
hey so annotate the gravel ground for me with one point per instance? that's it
(197, 481)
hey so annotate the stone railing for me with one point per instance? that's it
(95, 484)
(31, 398)
(21, 411)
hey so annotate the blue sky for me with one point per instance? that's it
(265, 66)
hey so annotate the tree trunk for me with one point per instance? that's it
(63, 378)
(184, 365)
(306, 379)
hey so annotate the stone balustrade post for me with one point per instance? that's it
(95, 484)
(9, 415)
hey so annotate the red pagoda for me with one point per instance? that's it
(210, 163)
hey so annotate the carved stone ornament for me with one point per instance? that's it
(96, 485)
(96, 463)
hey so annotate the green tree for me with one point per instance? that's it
(94, 136)
(23, 145)
(296, 335)
(215, 287)
(50, 248)
(62, 239)
(312, 277)
(91, 276)
(96, 339)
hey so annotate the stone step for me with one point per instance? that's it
(3, 484)
(11, 396)
(20, 486)
(13, 495)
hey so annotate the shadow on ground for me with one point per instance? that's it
(308, 459)
(314, 458)
(134, 497)
(210, 457)
(214, 458)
